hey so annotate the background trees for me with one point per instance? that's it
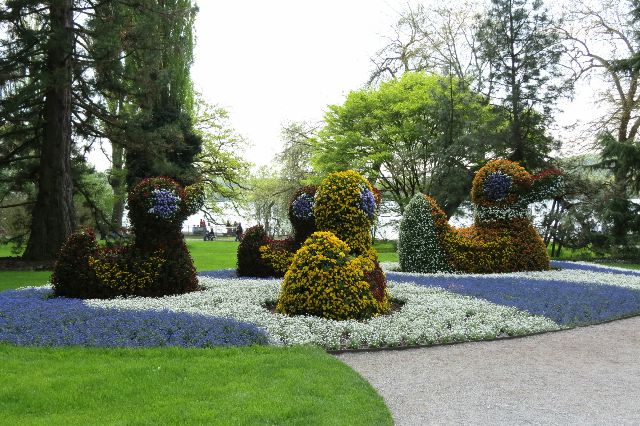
(519, 41)
(418, 133)
(73, 72)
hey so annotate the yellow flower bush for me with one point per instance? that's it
(339, 209)
(279, 258)
(326, 280)
(128, 276)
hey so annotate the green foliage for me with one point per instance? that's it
(220, 163)
(138, 386)
(338, 209)
(419, 248)
(519, 41)
(250, 262)
(325, 280)
(417, 133)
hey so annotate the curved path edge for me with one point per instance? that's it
(586, 375)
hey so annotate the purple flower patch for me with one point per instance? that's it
(164, 203)
(29, 317)
(367, 202)
(496, 186)
(303, 206)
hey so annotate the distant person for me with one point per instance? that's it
(239, 232)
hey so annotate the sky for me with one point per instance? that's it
(269, 63)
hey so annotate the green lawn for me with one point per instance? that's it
(15, 279)
(258, 385)
(237, 386)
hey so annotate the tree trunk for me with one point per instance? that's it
(53, 215)
(117, 182)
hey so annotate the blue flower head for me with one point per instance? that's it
(497, 186)
(303, 206)
(367, 202)
(164, 203)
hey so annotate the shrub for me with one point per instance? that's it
(157, 263)
(279, 254)
(250, 261)
(345, 205)
(497, 247)
(325, 280)
(502, 239)
(420, 247)
(72, 275)
(301, 214)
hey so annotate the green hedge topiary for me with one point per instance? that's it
(325, 280)
(419, 248)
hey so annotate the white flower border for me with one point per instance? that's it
(429, 316)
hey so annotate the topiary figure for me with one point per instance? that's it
(72, 276)
(250, 261)
(420, 248)
(346, 205)
(503, 238)
(301, 214)
(157, 263)
(326, 280)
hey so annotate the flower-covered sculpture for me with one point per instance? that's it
(335, 274)
(157, 263)
(502, 239)
(301, 214)
(345, 205)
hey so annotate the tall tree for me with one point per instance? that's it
(519, 40)
(441, 40)
(56, 101)
(162, 139)
(39, 89)
(605, 46)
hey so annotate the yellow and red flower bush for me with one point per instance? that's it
(157, 263)
(326, 280)
(503, 238)
(343, 206)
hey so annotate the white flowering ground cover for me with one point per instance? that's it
(436, 308)
(428, 316)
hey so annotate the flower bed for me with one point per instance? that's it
(438, 308)
(29, 316)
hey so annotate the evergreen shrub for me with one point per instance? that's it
(420, 247)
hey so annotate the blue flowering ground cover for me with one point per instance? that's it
(231, 311)
(30, 317)
(565, 302)
(593, 268)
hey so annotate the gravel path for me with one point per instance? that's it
(584, 376)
